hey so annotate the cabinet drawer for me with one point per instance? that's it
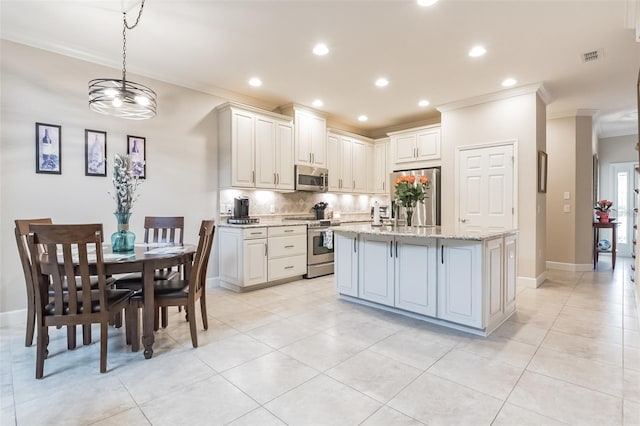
(280, 231)
(287, 246)
(251, 233)
(287, 267)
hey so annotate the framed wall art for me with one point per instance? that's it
(48, 152)
(95, 153)
(542, 171)
(137, 150)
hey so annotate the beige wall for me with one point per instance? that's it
(584, 190)
(493, 121)
(618, 149)
(38, 86)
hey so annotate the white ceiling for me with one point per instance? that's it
(216, 46)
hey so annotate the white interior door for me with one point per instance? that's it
(624, 180)
(486, 188)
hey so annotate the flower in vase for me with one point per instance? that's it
(125, 183)
(411, 190)
(604, 206)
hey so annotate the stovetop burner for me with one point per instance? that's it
(242, 220)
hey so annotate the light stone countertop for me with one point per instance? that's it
(419, 232)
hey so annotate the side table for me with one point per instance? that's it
(597, 226)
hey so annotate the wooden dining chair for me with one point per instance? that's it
(157, 229)
(67, 268)
(21, 231)
(183, 292)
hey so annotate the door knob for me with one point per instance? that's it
(463, 220)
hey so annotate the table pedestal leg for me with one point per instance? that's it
(148, 310)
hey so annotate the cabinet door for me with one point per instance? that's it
(375, 276)
(242, 149)
(511, 272)
(346, 164)
(230, 257)
(460, 282)
(381, 169)
(333, 163)
(404, 148)
(415, 275)
(285, 177)
(265, 134)
(346, 264)
(428, 145)
(359, 168)
(494, 269)
(318, 141)
(303, 128)
(255, 262)
(370, 167)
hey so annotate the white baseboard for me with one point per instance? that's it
(571, 267)
(532, 282)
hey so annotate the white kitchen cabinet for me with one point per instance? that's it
(415, 275)
(494, 276)
(255, 262)
(511, 272)
(345, 248)
(287, 252)
(381, 168)
(460, 282)
(370, 160)
(415, 148)
(255, 148)
(274, 154)
(310, 138)
(376, 262)
(347, 164)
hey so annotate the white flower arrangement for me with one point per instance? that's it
(125, 183)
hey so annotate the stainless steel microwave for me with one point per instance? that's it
(313, 179)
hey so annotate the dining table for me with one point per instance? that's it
(146, 258)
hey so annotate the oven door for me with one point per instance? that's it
(316, 251)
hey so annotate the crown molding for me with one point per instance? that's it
(581, 112)
(537, 88)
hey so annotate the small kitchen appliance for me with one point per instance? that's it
(241, 212)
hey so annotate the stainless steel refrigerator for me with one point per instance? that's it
(427, 214)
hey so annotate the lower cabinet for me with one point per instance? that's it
(254, 256)
(399, 272)
(345, 247)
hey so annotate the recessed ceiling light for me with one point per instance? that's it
(317, 103)
(255, 82)
(509, 82)
(363, 118)
(426, 3)
(477, 51)
(320, 49)
(423, 103)
(382, 82)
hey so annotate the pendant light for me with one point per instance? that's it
(122, 98)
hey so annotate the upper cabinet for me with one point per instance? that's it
(255, 148)
(310, 138)
(380, 169)
(347, 164)
(415, 148)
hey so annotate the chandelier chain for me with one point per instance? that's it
(126, 27)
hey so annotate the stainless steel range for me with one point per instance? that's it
(319, 246)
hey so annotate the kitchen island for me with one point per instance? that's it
(466, 282)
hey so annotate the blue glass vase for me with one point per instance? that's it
(122, 240)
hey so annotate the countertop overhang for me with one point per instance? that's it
(421, 232)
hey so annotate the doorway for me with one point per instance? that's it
(624, 180)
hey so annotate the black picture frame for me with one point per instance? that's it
(48, 148)
(542, 171)
(95, 153)
(137, 150)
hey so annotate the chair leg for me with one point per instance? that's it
(86, 334)
(104, 329)
(165, 316)
(156, 319)
(192, 328)
(31, 324)
(71, 337)
(117, 320)
(203, 311)
(132, 327)
(41, 351)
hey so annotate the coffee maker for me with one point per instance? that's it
(241, 207)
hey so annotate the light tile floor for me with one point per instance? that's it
(297, 355)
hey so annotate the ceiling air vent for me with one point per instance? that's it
(594, 55)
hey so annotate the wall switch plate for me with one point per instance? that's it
(567, 208)
(567, 195)
(272, 209)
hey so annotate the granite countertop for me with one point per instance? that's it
(420, 232)
(262, 224)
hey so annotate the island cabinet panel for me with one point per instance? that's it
(376, 274)
(494, 270)
(346, 266)
(460, 282)
(415, 275)
(511, 272)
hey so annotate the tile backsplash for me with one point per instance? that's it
(264, 203)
